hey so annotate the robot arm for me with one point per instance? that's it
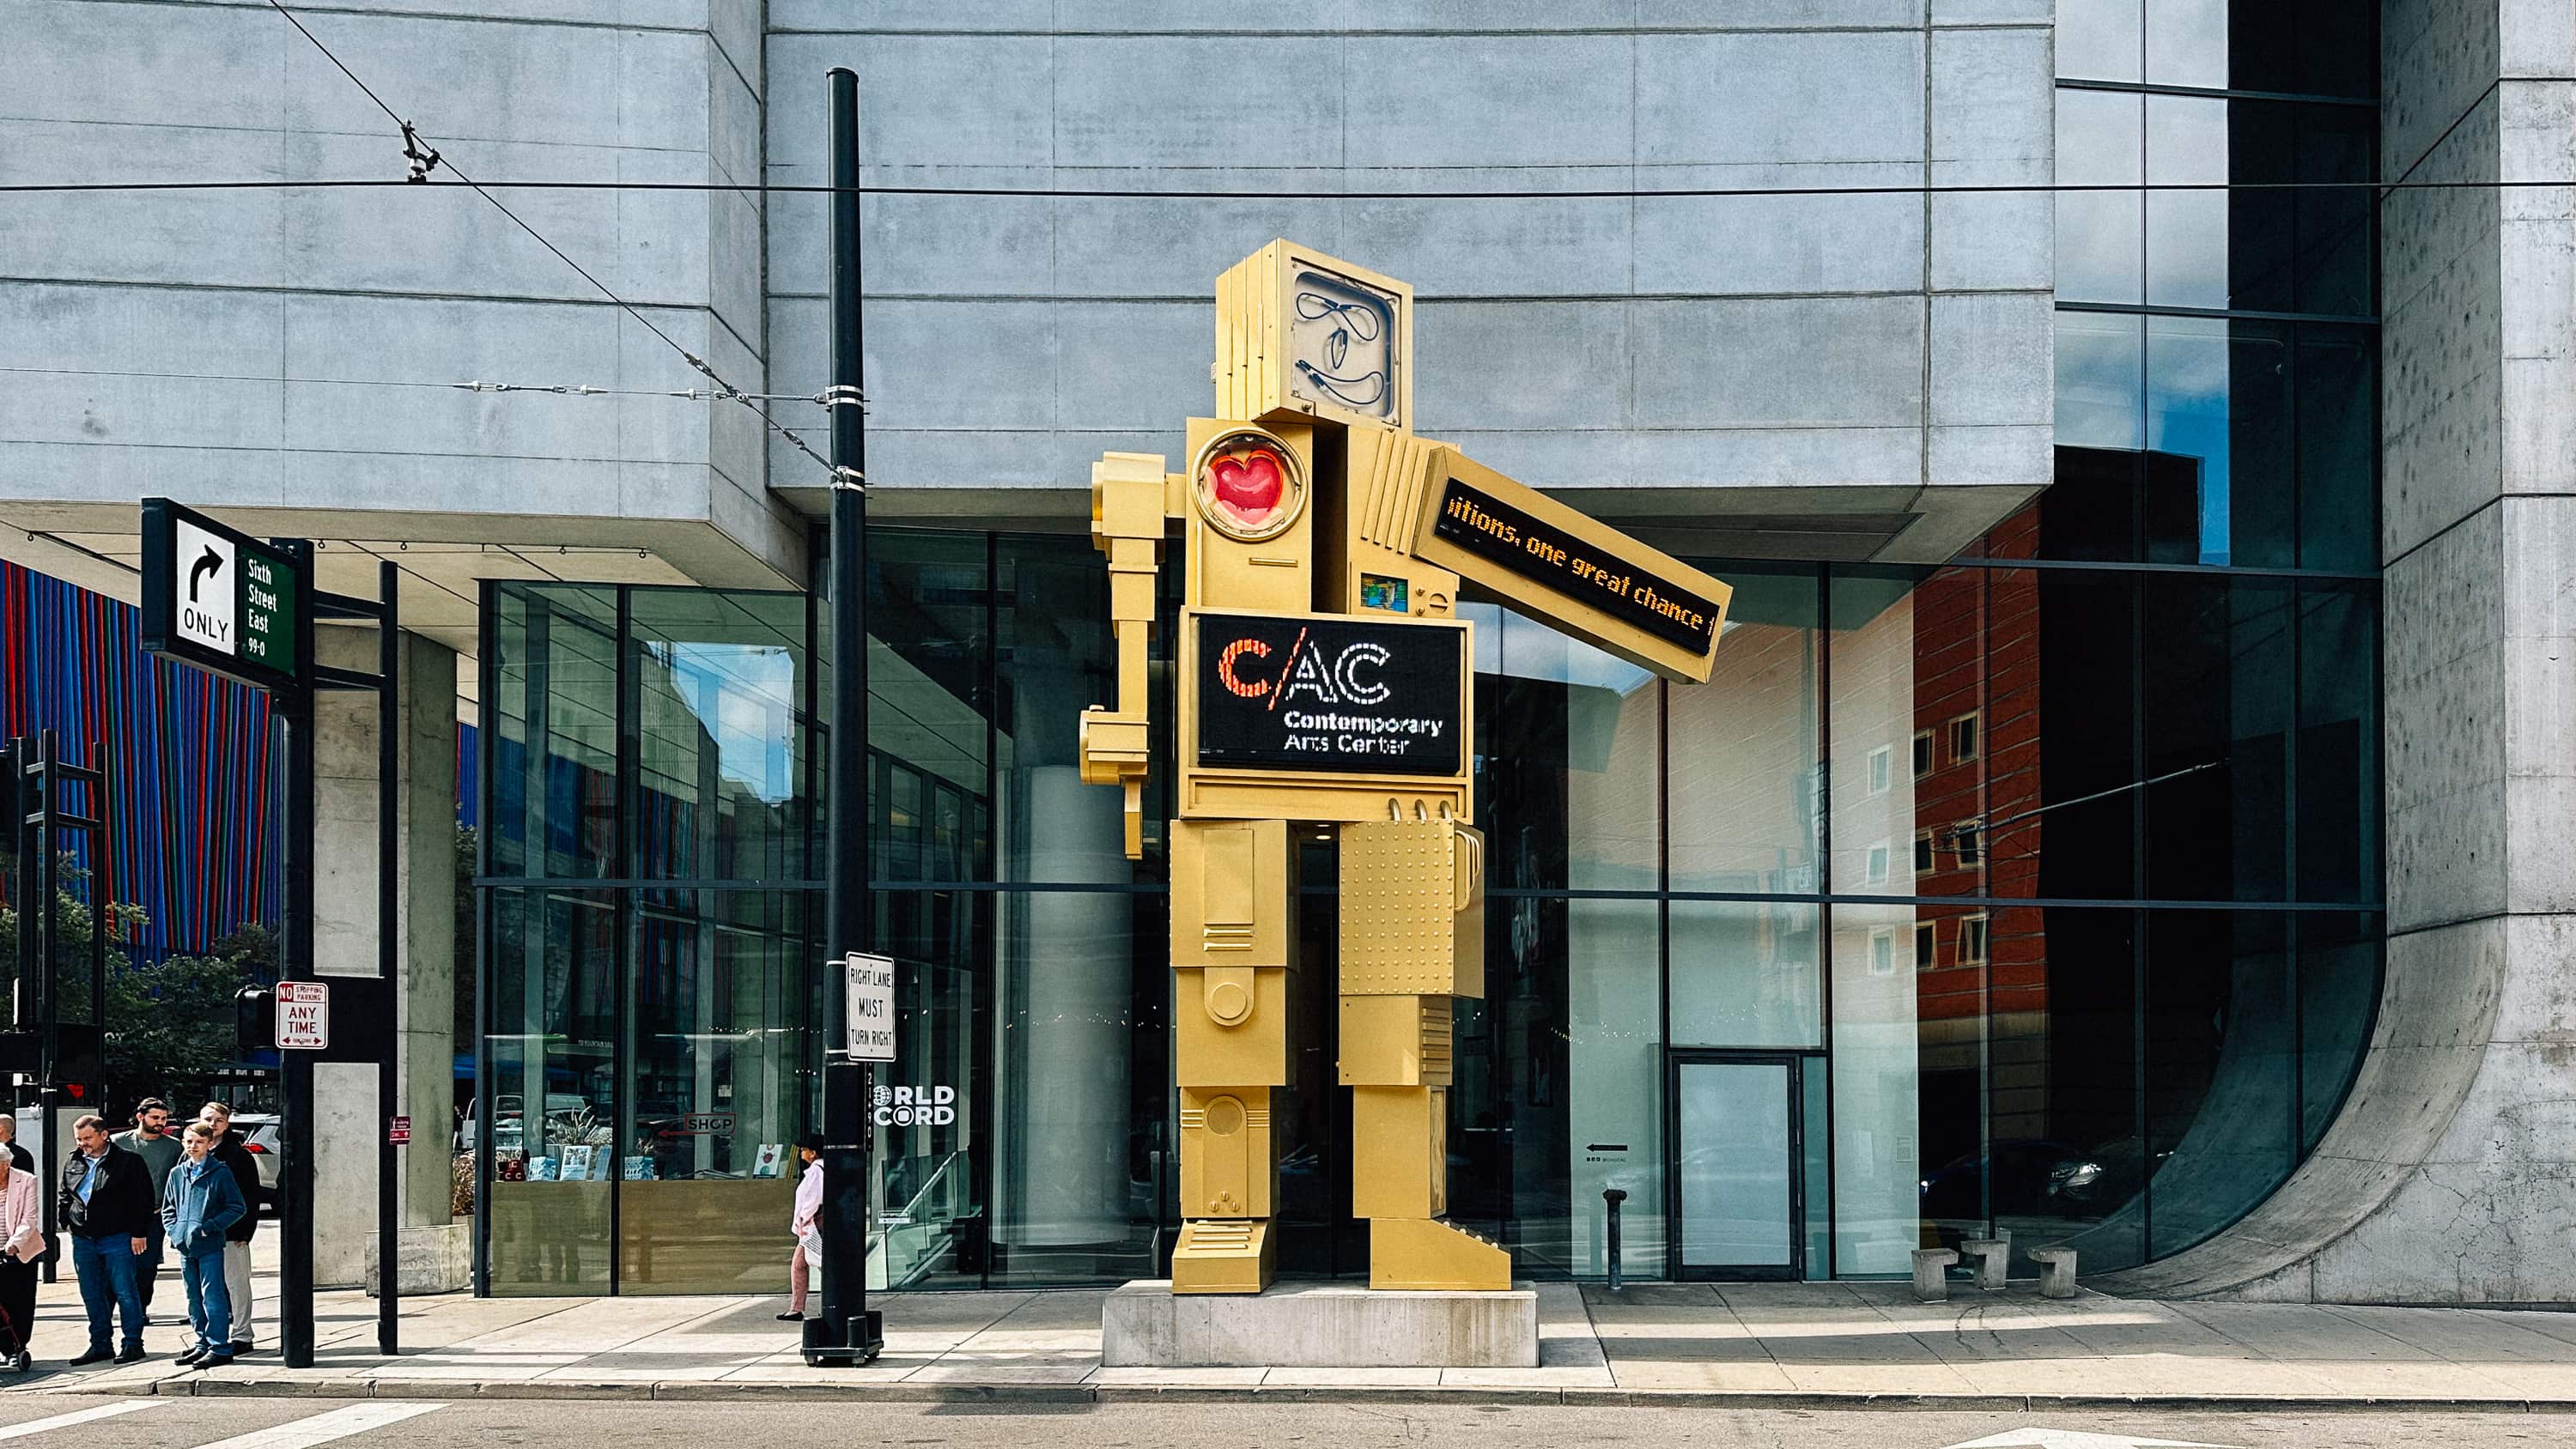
(1127, 513)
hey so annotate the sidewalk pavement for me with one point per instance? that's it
(1815, 1345)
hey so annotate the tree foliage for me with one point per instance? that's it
(169, 1024)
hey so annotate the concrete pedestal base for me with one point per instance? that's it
(1318, 1325)
(434, 1260)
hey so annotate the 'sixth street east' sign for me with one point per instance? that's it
(1346, 695)
(219, 599)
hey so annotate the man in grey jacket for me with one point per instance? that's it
(154, 1142)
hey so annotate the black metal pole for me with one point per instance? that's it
(389, 1101)
(846, 1331)
(100, 878)
(488, 671)
(295, 963)
(37, 924)
(38, 1090)
(1611, 1197)
(40, 909)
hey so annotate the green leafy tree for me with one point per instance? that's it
(168, 1026)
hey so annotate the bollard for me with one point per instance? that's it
(1611, 1197)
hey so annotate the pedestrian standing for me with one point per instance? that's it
(22, 1242)
(152, 1140)
(203, 1200)
(105, 1202)
(805, 1223)
(230, 1150)
(19, 1157)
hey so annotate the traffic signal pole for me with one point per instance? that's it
(389, 1100)
(296, 963)
(846, 1332)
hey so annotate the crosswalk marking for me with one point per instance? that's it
(80, 1416)
(325, 1427)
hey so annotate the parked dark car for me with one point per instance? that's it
(2033, 1178)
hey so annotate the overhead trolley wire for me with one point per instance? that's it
(423, 162)
(1114, 193)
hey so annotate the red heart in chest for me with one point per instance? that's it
(1248, 487)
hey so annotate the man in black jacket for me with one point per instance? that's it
(231, 1153)
(106, 1205)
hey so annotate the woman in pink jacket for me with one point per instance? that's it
(22, 1242)
(802, 1223)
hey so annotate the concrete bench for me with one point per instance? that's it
(2056, 1271)
(1931, 1275)
(1992, 1255)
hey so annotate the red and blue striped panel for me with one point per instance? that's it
(187, 756)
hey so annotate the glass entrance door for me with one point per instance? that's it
(1736, 1186)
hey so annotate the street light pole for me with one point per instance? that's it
(846, 1332)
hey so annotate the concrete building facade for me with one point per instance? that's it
(2129, 700)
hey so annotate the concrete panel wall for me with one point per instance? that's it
(265, 348)
(2450, 1176)
(346, 934)
(1888, 343)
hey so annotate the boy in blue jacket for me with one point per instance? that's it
(201, 1201)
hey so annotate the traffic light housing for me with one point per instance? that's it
(255, 1018)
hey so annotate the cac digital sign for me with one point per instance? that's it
(1329, 693)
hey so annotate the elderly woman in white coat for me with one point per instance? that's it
(22, 1242)
(805, 1222)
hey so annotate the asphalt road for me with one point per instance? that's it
(36, 1422)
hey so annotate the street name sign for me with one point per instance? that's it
(219, 599)
(870, 1006)
(303, 1016)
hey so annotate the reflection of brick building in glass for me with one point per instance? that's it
(1980, 972)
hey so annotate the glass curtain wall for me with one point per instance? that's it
(1025, 1127)
(647, 896)
(2026, 944)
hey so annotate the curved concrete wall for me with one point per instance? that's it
(2450, 1175)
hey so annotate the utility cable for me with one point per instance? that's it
(565, 389)
(1622, 193)
(422, 160)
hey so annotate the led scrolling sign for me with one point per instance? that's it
(1512, 538)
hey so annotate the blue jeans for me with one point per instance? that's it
(147, 1268)
(105, 1268)
(210, 1303)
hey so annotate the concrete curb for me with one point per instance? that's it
(707, 1391)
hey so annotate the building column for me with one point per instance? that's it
(436, 1248)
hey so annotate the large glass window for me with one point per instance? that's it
(550, 1090)
(648, 1051)
(1746, 774)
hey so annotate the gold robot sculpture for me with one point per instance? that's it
(1323, 679)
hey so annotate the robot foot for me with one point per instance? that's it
(1223, 1255)
(1426, 1253)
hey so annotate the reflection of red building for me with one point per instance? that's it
(1976, 755)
